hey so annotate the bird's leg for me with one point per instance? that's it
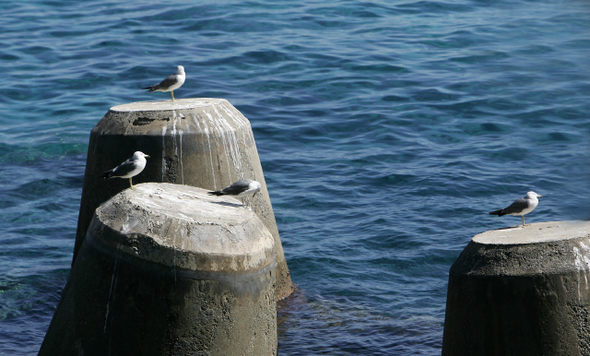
(172, 93)
(522, 216)
(131, 183)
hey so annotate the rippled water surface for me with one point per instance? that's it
(387, 130)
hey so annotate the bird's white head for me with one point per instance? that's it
(180, 70)
(139, 154)
(256, 186)
(532, 195)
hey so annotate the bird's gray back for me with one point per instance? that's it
(237, 187)
(519, 205)
(168, 82)
(126, 167)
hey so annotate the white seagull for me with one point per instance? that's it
(240, 188)
(171, 83)
(129, 169)
(521, 206)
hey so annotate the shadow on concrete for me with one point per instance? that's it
(224, 203)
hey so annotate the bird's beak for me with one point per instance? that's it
(539, 196)
(147, 156)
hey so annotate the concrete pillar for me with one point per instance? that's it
(204, 143)
(168, 270)
(521, 291)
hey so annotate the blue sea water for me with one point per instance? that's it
(387, 130)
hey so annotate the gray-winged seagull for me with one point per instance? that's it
(129, 169)
(240, 188)
(171, 83)
(521, 206)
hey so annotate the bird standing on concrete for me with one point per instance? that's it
(130, 168)
(171, 83)
(240, 188)
(521, 206)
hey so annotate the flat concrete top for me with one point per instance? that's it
(535, 233)
(167, 105)
(182, 226)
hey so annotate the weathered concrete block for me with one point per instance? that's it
(204, 143)
(521, 291)
(166, 269)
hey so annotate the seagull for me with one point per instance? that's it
(171, 83)
(240, 188)
(521, 206)
(129, 169)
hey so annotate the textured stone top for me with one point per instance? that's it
(535, 233)
(184, 227)
(163, 105)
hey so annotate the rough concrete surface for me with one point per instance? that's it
(535, 233)
(521, 291)
(168, 270)
(204, 143)
(182, 226)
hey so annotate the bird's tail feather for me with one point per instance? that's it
(218, 193)
(106, 174)
(151, 89)
(498, 212)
